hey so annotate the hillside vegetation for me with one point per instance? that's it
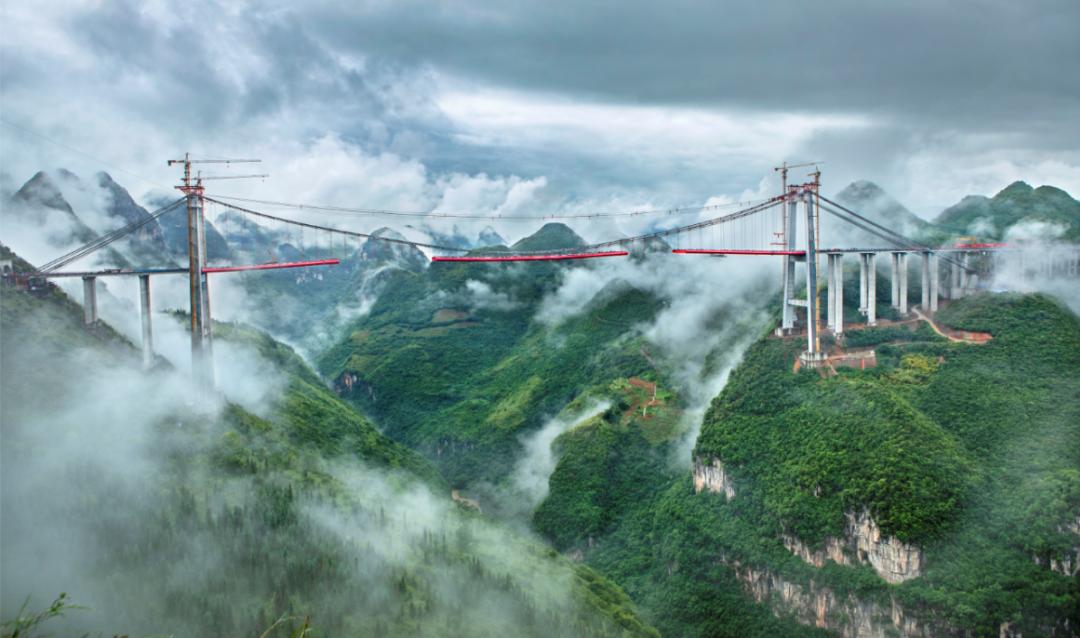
(983, 480)
(163, 509)
(451, 363)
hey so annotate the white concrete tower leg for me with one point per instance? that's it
(788, 311)
(811, 282)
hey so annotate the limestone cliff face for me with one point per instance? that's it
(713, 477)
(820, 606)
(833, 550)
(863, 542)
(893, 560)
(1067, 564)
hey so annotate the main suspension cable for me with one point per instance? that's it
(104, 240)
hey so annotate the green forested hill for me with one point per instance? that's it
(970, 453)
(1018, 202)
(165, 509)
(451, 362)
(467, 384)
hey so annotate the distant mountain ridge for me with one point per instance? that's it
(1016, 203)
(551, 236)
(871, 199)
(987, 218)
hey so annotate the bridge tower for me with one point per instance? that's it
(789, 228)
(813, 356)
(202, 361)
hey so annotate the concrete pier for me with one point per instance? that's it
(967, 276)
(935, 281)
(903, 307)
(894, 290)
(955, 288)
(90, 315)
(830, 283)
(147, 329)
(925, 304)
(838, 298)
(862, 283)
(868, 287)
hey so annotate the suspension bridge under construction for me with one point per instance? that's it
(786, 226)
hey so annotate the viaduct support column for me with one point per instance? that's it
(894, 291)
(935, 281)
(147, 329)
(830, 281)
(903, 288)
(89, 287)
(925, 305)
(969, 277)
(838, 298)
(862, 283)
(954, 280)
(871, 289)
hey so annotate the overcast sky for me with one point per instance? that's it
(541, 107)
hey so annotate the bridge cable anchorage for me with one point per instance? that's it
(108, 238)
(679, 210)
(910, 244)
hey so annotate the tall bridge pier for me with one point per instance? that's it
(899, 297)
(835, 282)
(147, 327)
(868, 287)
(89, 287)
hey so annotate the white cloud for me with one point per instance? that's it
(498, 117)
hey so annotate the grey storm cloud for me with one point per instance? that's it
(929, 86)
(952, 61)
(218, 67)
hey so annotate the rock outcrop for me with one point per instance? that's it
(820, 606)
(863, 542)
(1066, 564)
(892, 559)
(713, 477)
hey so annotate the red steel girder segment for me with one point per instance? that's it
(553, 257)
(735, 251)
(290, 264)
